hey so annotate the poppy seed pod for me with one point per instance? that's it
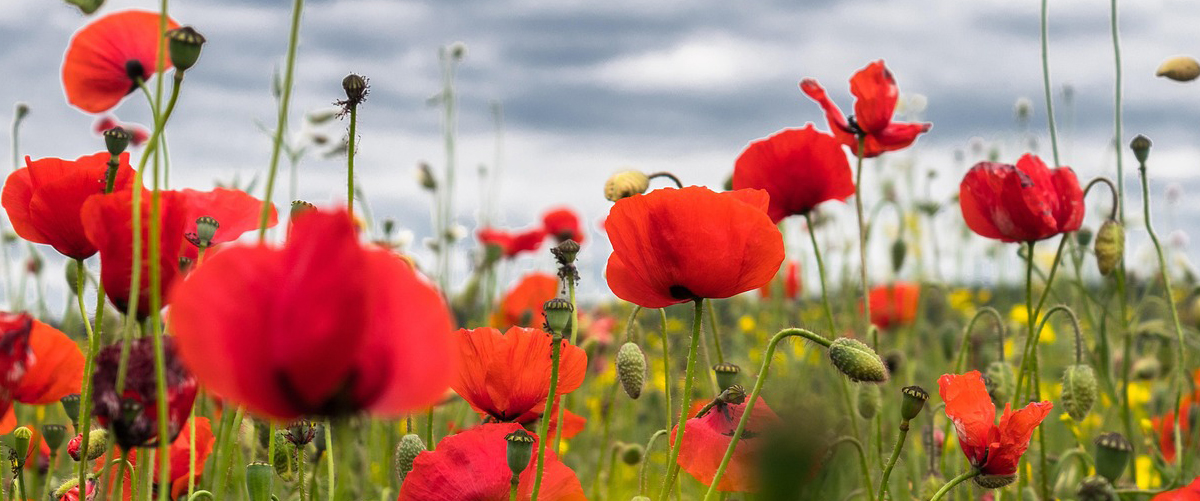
(116, 140)
(1110, 246)
(70, 405)
(21, 437)
(520, 450)
(259, 480)
(566, 252)
(206, 229)
(300, 207)
(1079, 390)
(406, 451)
(301, 432)
(54, 435)
(631, 369)
(625, 184)
(994, 481)
(1096, 488)
(1113, 451)
(631, 454)
(914, 401)
(1000, 382)
(857, 360)
(185, 44)
(558, 315)
(1141, 147)
(727, 374)
(356, 89)
(870, 399)
(1179, 69)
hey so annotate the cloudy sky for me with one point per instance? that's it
(588, 88)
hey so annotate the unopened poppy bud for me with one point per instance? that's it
(72, 276)
(425, 177)
(259, 480)
(54, 435)
(994, 481)
(1179, 69)
(1110, 246)
(21, 437)
(1146, 368)
(914, 401)
(870, 399)
(1083, 236)
(727, 374)
(626, 184)
(631, 369)
(632, 454)
(65, 489)
(356, 89)
(406, 452)
(520, 450)
(566, 251)
(1096, 488)
(1079, 390)
(70, 405)
(185, 44)
(206, 229)
(857, 360)
(1113, 451)
(116, 140)
(558, 314)
(1141, 147)
(1000, 381)
(899, 250)
(301, 432)
(97, 444)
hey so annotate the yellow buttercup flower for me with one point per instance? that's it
(1019, 314)
(747, 324)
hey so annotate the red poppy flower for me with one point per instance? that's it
(706, 438)
(73, 493)
(133, 414)
(791, 282)
(1190, 492)
(1021, 203)
(675, 245)
(506, 377)
(799, 168)
(107, 55)
(138, 134)
(376, 329)
(235, 211)
(1164, 426)
(563, 224)
(875, 94)
(512, 244)
(44, 198)
(995, 450)
(38, 365)
(895, 304)
(522, 305)
(473, 465)
(179, 451)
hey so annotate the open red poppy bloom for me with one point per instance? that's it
(138, 134)
(563, 224)
(875, 94)
(44, 198)
(374, 327)
(1164, 426)
(791, 282)
(180, 451)
(1022, 203)
(1190, 492)
(38, 365)
(995, 450)
(506, 377)
(108, 56)
(671, 245)
(512, 244)
(894, 305)
(522, 305)
(133, 414)
(473, 465)
(706, 438)
(799, 168)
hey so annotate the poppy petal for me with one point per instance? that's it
(875, 94)
(970, 408)
(798, 168)
(56, 370)
(96, 68)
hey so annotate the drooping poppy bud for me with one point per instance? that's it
(631, 369)
(994, 481)
(1110, 246)
(631, 454)
(1113, 452)
(1000, 382)
(406, 451)
(625, 184)
(185, 45)
(857, 360)
(914, 401)
(1079, 390)
(1179, 69)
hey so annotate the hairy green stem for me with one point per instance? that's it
(673, 463)
(887, 471)
(862, 242)
(966, 475)
(281, 123)
(645, 460)
(547, 414)
(350, 160)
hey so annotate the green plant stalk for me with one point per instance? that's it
(47, 477)
(1117, 123)
(646, 459)
(300, 472)
(887, 471)
(574, 337)
(862, 241)
(662, 313)
(673, 464)
(966, 475)
(329, 466)
(544, 426)
(865, 469)
(350, 160)
(712, 329)
(447, 199)
(345, 469)
(606, 420)
(512, 488)
(1034, 313)
(612, 472)
(1046, 80)
(284, 101)
(226, 452)
(753, 399)
(191, 486)
(93, 337)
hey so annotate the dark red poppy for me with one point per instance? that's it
(995, 450)
(563, 224)
(138, 134)
(473, 465)
(106, 56)
(512, 244)
(374, 327)
(133, 414)
(506, 377)
(791, 282)
(799, 168)
(1022, 203)
(179, 451)
(676, 245)
(522, 305)
(44, 198)
(1190, 492)
(875, 94)
(38, 365)
(706, 438)
(895, 304)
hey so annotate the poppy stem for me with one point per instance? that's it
(712, 330)
(191, 485)
(1112, 188)
(966, 475)
(753, 399)
(1046, 80)
(1117, 123)
(668, 175)
(887, 471)
(862, 461)
(331, 479)
(299, 470)
(350, 160)
(662, 313)
(225, 449)
(547, 414)
(862, 242)
(562, 409)
(281, 123)
(93, 337)
(673, 464)
(1180, 363)
(646, 459)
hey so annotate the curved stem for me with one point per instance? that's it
(547, 415)
(285, 100)
(753, 399)
(843, 386)
(966, 475)
(673, 464)
(887, 471)
(1117, 84)
(667, 175)
(642, 470)
(960, 363)
(1116, 199)
(862, 461)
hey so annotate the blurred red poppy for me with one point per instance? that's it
(522, 305)
(138, 134)
(1190, 492)
(506, 377)
(44, 198)
(38, 365)
(107, 57)
(473, 465)
(799, 168)
(72, 494)
(235, 211)
(563, 224)
(995, 450)
(376, 329)
(1022, 203)
(706, 438)
(133, 413)
(791, 282)
(180, 452)
(1164, 427)
(895, 304)
(512, 244)
(875, 94)
(672, 246)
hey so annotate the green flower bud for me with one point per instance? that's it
(899, 250)
(116, 140)
(21, 437)
(1079, 390)
(1113, 452)
(631, 369)
(1110, 246)
(185, 44)
(857, 360)
(406, 452)
(632, 454)
(870, 399)
(1000, 382)
(520, 450)
(994, 481)
(259, 480)
(727, 374)
(625, 184)
(1096, 488)
(914, 401)
(285, 461)
(73, 482)
(558, 315)
(1141, 147)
